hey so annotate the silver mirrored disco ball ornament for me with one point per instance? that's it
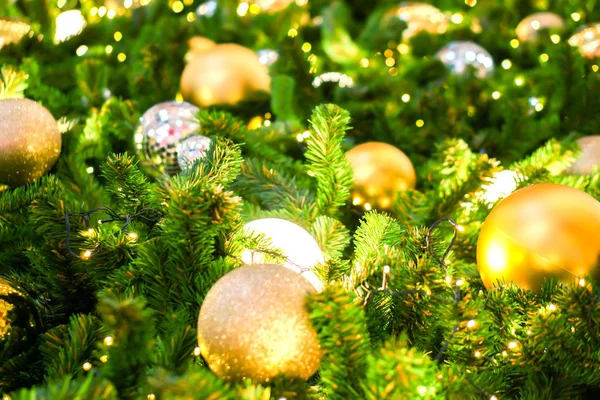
(159, 132)
(459, 55)
(191, 149)
(267, 57)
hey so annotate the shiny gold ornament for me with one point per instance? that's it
(270, 6)
(419, 17)
(589, 160)
(12, 31)
(29, 141)
(380, 172)
(253, 324)
(529, 28)
(6, 306)
(539, 232)
(222, 74)
(587, 38)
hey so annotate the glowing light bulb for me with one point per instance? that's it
(68, 24)
(87, 366)
(109, 341)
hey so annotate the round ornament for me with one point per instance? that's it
(222, 74)
(12, 31)
(539, 232)
(191, 149)
(13, 308)
(419, 17)
(589, 160)
(460, 55)
(297, 245)
(253, 324)
(587, 38)
(380, 172)
(529, 28)
(267, 57)
(270, 6)
(68, 24)
(29, 141)
(159, 131)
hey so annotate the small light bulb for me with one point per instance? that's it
(471, 324)
(197, 351)
(506, 64)
(87, 254)
(420, 123)
(582, 282)
(477, 354)
(406, 97)
(108, 341)
(514, 43)
(386, 269)
(87, 366)
(367, 207)
(104, 359)
(512, 345)
(132, 235)
(496, 95)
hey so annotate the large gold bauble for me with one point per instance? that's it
(539, 232)
(29, 141)
(12, 31)
(253, 324)
(222, 74)
(589, 160)
(380, 172)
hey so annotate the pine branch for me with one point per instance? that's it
(13, 83)
(331, 235)
(194, 384)
(66, 350)
(342, 333)
(327, 161)
(130, 325)
(89, 388)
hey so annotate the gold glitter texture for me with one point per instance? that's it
(5, 306)
(253, 324)
(29, 141)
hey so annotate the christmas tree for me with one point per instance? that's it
(309, 199)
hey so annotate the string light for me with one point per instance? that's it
(390, 62)
(108, 49)
(595, 68)
(422, 390)
(512, 345)
(471, 324)
(102, 11)
(87, 366)
(551, 307)
(151, 396)
(555, 38)
(519, 81)
(514, 43)
(132, 235)
(121, 57)
(477, 354)
(367, 207)
(582, 282)
(110, 14)
(456, 18)
(177, 7)
(104, 359)
(68, 24)
(471, 3)
(496, 95)
(81, 50)
(197, 351)
(406, 97)
(242, 9)
(293, 32)
(118, 36)
(576, 16)
(364, 63)
(306, 47)
(544, 57)
(403, 48)
(86, 254)
(506, 64)
(420, 123)
(356, 201)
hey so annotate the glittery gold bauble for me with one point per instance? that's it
(6, 306)
(222, 74)
(587, 38)
(29, 141)
(540, 232)
(380, 172)
(253, 324)
(12, 31)
(528, 28)
(589, 160)
(419, 17)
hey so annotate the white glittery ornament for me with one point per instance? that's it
(587, 38)
(528, 28)
(159, 132)
(459, 55)
(191, 149)
(297, 245)
(419, 17)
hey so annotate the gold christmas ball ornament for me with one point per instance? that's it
(587, 38)
(528, 29)
(589, 160)
(7, 306)
(12, 31)
(380, 172)
(539, 232)
(297, 246)
(253, 324)
(269, 6)
(222, 74)
(419, 17)
(29, 141)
